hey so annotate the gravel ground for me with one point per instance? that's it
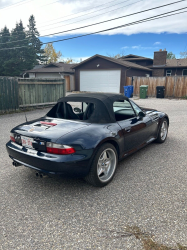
(149, 191)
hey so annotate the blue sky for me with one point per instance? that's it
(143, 44)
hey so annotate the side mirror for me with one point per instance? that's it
(141, 114)
(77, 110)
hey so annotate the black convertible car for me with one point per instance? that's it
(86, 135)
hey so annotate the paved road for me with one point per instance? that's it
(149, 191)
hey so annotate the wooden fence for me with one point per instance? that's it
(20, 92)
(8, 94)
(38, 91)
(175, 86)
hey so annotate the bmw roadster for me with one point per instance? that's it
(86, 135)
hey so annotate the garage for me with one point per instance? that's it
(105, 74)
(100, 80)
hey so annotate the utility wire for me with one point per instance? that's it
(117, 27)
(94, 16)
(21, 2)
(90, 17)
(78, 12)
(86, 14)
(109, 20)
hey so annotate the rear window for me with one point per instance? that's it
(72, 110)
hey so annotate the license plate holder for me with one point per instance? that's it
(27, 141)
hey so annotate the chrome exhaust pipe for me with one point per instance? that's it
(16, 164)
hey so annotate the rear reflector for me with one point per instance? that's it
(12, 137)
(58, 149)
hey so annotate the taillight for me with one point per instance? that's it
(12, 137)
(59, 149)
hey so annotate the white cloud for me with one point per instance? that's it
(157, 43)
(136, 47)
(56, 16)
(139, 47)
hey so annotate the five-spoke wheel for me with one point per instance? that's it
(163, 131)
(103, 166)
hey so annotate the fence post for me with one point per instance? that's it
(175, 79)
(64, 89)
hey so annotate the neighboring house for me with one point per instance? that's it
(106, 74)
(160, 65)
(55, 70)
(168, 67)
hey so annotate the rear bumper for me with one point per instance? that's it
(77, 164)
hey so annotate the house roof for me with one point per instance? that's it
(53, 68)
(172, 63)
(135, 59)
(176, 62)
(117, 61)
(132, 56)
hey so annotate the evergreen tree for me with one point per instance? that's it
(26, 52)
(36, 50)
(4, 54)
(18, 62)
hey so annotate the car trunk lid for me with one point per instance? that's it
(48, 129)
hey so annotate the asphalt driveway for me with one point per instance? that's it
(147, 199)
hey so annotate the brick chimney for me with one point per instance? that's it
(160, 58)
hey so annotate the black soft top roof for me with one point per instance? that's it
(103, 112)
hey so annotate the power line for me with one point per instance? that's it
(109, 20)
(21, 2)
(96, 15)
(92, 12)
(117, 27)
(79, 12)
(86, 14)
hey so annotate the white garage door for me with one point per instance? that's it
(100, 80)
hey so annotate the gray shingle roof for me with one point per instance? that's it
(55, 68)
(176, 62)
(172, 63)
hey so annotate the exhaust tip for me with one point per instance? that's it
(37, 174)
(41, 175)
(16, 164)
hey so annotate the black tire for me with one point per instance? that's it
(160, 138)
(100, 180)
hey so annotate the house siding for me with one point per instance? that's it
(177, 71)
(107, 65)
(158, 72)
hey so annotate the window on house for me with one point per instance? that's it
(168, 72)
(184, 72)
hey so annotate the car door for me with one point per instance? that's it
(133, 127)
(151, 122)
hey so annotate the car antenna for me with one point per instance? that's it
(24, 109)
